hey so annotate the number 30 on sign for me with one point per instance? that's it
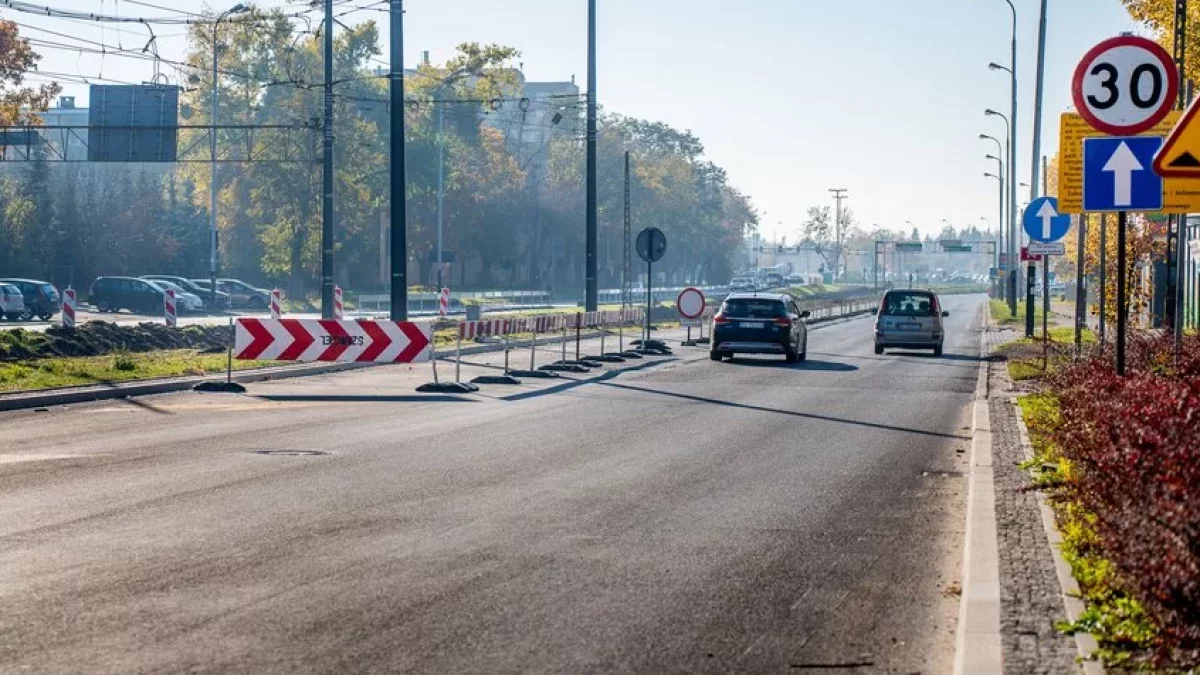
(1125, 85)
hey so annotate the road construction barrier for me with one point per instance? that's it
(276, 304)
(69, 304)
(169, 311)
(361, 341)
(444, 302)
(339, 309)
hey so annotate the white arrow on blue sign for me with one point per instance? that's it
(1118, 174)
(1043, 222)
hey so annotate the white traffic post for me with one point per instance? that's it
(276, 304)
(68, 308)
(564, 343)
(169, 308)
(338, 308)
(533, 347)
(444, 302)
(458, 356)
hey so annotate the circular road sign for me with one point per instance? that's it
(651, 244)
(690, 303)
(1125, 85)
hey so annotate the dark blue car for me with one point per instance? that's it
(760, 323)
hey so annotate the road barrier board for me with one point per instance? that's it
(362, 341)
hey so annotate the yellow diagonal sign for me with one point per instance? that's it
(1180, 195)
(1179, 156)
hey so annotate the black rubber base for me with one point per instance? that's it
(533, 374)
(703, 340)
(688, 343)
(650, 344)
(220, 387)
(447, 388)
(629, 355)
(605, 358)
(495, 379)
(564, 368)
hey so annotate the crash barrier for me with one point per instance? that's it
(428, 302)
(69, 304)
(534, 326)
(361, 341)
(825, 310)
(170, 314)
(613, 295)
(276, 304)
(339, 308)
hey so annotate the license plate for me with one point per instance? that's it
(752, 324)
(908, 326)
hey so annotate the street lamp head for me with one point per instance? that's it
(991, 175)
(989, 111)
(996, 66)
(993, 157)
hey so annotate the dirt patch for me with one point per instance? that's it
(97, 338)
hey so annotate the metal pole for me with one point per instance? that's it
(1180, 283)
(440, 180)
(1103, 279)
(1080, 286)
(627, 242)
(1012, 165)
(590, 300)
(1045, 309)
(1037, 106)
(1122, 319)
(399, 180)
(1030, 281)
(327, 174)
(212, 181)
(649, 296)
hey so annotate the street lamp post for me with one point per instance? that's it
(999, 176)
(212, 145)
(439, 93)
(838, 195)
(1000, 245)
(1012, 207)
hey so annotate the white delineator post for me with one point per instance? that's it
(68, 308)
(444, 302)
(276, 304)
(169, 312)
(339, 309)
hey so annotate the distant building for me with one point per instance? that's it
(59, 143)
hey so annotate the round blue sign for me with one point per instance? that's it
(1043, 222)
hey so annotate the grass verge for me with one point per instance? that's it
(46, 373)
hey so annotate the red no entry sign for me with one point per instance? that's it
(690, 303)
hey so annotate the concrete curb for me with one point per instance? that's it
(978, 648)
(1085, 643)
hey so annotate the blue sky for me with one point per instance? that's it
(882, 97)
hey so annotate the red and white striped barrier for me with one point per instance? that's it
(361, 341)
(444, 302)
(469, 330)
(169, 312)
(276, 304)
(339, 309)
(68, 308)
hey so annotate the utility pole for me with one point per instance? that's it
(327, 174)
(591, 295)
(838, 195)
(1172, 307)
(1037, 105)
(398, 180)
(627, 260)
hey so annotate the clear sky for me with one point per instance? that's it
(881, 97)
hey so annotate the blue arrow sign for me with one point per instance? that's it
(1043, 222)
(1118, 174)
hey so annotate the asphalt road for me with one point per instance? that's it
(687, 516)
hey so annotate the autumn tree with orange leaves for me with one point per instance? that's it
(19, 103)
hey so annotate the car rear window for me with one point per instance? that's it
(909, 304)
(753, 308)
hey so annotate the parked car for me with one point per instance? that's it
(41, 298)
(754, 323)
(12, 302)
(195, 289)
(185, 303)
(241, 294)
(910, 319)
(743, 284)
(112, 294)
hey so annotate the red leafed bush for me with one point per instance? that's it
(1134, 445)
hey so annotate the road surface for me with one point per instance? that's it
(686, 516)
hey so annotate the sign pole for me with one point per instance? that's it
(1045, 311)
(1030, 281)
(1122, 318)
(649, 298)
(1103, 280)
(1080, 286)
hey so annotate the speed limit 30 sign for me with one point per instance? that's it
(1125, 85)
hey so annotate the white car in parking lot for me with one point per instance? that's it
(185, 302)
(12, 302)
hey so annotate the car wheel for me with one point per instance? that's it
(937, 351)
(878, 349)
(804, 353)
(45, 317)
(103, 306)
(715, 356)
(256, 303)
(790, 355)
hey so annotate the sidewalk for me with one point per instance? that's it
(1031, 598)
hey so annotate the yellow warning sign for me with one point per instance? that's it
(1179, 156)
(1180, 195)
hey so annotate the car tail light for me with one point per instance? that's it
(720, 318)
(783, 321)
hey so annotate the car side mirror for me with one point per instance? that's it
(805, 314)
(945, 313)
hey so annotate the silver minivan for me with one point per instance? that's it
(910, 319)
